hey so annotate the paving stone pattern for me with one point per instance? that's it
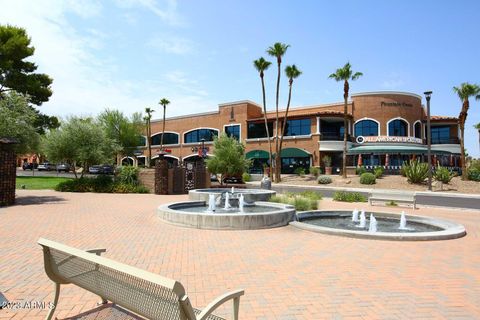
(287, 273)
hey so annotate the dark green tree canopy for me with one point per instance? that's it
(15, 72)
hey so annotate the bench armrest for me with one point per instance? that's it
(97, 251)
(218, 302)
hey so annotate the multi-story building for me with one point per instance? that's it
(384, 128)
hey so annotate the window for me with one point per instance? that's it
(440, 134)
(398, 128)
(366, 128)
(199, 134)
(170, 138)
(233, 131)
(257, 130)
(418, 130)
(298, 127)
(142, 141)
(331, 130)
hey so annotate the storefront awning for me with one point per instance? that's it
(257, 154)
(293, 153)
(365, 149)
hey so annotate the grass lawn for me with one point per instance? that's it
(36, 183)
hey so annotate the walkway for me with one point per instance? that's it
(287, 273)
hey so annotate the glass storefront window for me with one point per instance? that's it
(199, 134)
(366, 128)
(418, 130)
(398, 128)
(233, 131)
(257, 130)
(440, 134)
(170, 138)
(298, 127)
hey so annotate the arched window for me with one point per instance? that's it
(169, 138)
(199, 134)
(418, 130)
(142, 141)
(398, 128)
(366, 128)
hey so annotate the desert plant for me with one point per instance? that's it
(327, 161)
(246, 177)
(378, 172)
(415, 171)
(349, 197)
(402, 171)
(307, 200)
(474, 174)
(324, 180)
(442, 174)
(367, 178)
(315, 171)
(360, 170)
(300, 171)
(128, 174)
(311, 195)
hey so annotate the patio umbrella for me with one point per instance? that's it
(434, 159)
(359, 164)
(387, 160)
(451, 160)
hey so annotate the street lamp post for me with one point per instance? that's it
(428, 95)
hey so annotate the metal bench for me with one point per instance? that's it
(141, 292)
(392, 196)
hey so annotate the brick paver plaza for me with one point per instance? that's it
(287, 273)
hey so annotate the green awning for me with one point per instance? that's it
(392, 150)
(294, 153)
(257, 154)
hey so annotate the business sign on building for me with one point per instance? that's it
(388, 139)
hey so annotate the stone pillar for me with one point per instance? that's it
(161, 176)
(8, 166)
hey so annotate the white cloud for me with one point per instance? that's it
(170, 44)
(167, 11)
(394, 81)
(84, 83)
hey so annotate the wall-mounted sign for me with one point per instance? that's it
(388, 139)
(396, 104)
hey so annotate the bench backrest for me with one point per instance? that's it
(392, 195)
(142, 292)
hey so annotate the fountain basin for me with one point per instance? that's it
(250, 195)
(339, 223)
(193, 214)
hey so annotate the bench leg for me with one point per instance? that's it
(55, 302)
(236, 307)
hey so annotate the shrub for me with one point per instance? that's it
(360, 170)
(128, 174)
(311, 195)
(246, 177)
(474, 174)
(327, 161)
(315, 171)
(302, 204)
(300, 171)
(402, 171)
(444, 175)
(415, 171)
(392, 203)
(324, 180)
(367, 178)
(349, 196)
(304, 201)
(75, 185)
(378, 172)
(101, 184)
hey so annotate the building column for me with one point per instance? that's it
(318, 125)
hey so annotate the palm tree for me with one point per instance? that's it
(464, 92)
(278, 50)
(292, 73)
(147, 119)
(345, 74)
(261, 65)
(164, 102)
(477, 126)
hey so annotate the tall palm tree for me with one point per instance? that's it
(292, 73)
(345, 74)
(164, 102)
(464, 92)
(148, 119)
(477, 126)
(262, 65)
(278, 50)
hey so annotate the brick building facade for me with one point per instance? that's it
(385, 128)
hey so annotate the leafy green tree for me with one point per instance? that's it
(126, 132)
(292, 73)
(464, 92)
(16, 73)
(148, 119)
(345, 74)
(228, 157)
(164, 102)
(17, 120)
(262, 65)
(278, 50)
(79, 141)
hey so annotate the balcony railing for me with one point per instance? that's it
(445, 141)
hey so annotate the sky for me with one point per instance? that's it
(129, 54)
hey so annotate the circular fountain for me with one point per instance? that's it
(227, 210)
(378, 225)
(250, 195)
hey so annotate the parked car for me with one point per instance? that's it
(29, 165)
(233, 179)
(65, 167)
(46, 166)
(101, 169)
